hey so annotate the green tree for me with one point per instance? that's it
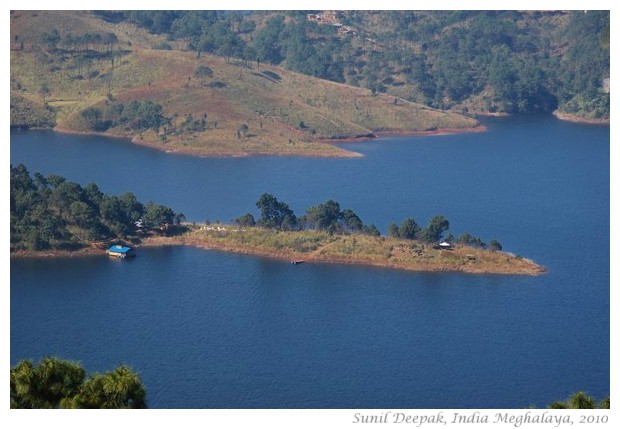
(56, 383)
(392, 230)
(371, 230)
(466, 239)
(324, 216)
(93, 195)
(245, 220)
(46, 384)
(83, 214)
(94, 120)
(133, 210)
(351, 220)
(157, 215)
(289, 222)
(268, 42)
(111, 209)
(230, 45)
(113, 213)
(435, 229)
(23, 190)
(121, 388)
(189, 27)
(274, 213)
(409, 229)
(495, 245)
(179, 218)
(605, 404)
(247, 26)
(580, 400)
(65, 194)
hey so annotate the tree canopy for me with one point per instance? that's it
(581, 400)
(56, 383)
(435, 229)
(509, 61)
(324, 216)
(135, 115)
(54, 213)
(328, 217)
(275, 214)
(409, 229)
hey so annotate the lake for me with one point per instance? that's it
(207, 329)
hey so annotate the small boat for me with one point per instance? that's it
(297, 262)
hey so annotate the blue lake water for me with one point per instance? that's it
(214, 330)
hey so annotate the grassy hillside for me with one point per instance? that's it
(210, 105)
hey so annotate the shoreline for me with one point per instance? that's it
(189, 151)
(353, 249)
(491, 114)
(459, 260)
(54, 253)
(396, 133)
(346, 153)
(580, 120)
(526, 266)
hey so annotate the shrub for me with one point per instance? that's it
(203, 71)
(245, 220)
(494, 245)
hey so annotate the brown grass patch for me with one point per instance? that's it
(317, 246)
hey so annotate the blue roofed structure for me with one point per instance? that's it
(119, 251)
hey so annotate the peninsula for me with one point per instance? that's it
(321, 247)
(359, 249)
(53, 217)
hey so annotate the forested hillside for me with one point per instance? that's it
(490, 61)
(244, 83)
(54, 213)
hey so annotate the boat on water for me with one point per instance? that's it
(297, 262)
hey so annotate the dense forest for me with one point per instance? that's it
(478, 61)
(54, 213)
